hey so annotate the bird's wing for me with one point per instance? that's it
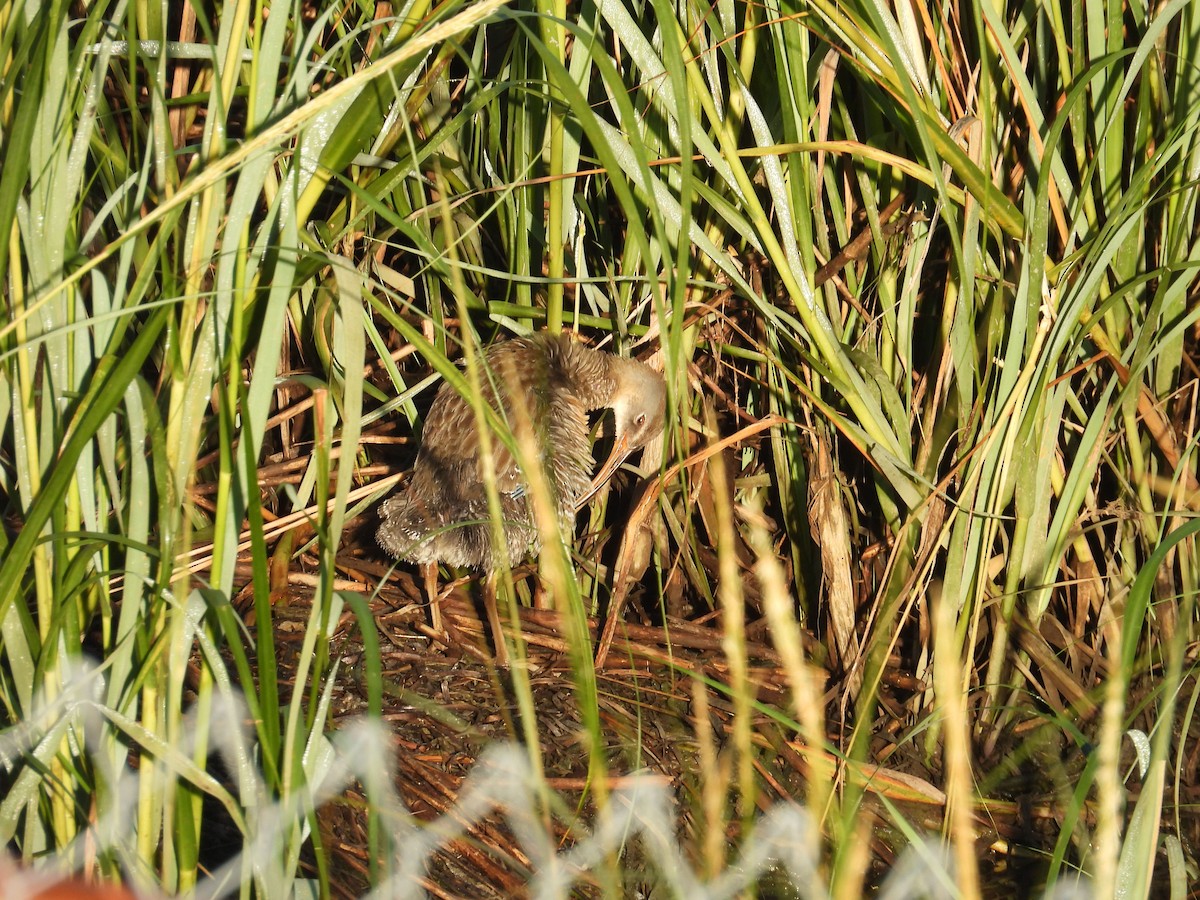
(450, 444)
(543, 382)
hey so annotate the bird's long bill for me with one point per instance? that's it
(620, 450)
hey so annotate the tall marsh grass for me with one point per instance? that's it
(921, 279)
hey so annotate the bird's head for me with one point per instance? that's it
(639, 405)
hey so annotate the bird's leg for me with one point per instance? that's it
(430, 571)
(541, 597)
(493, 617)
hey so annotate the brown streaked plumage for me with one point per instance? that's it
(550, 383)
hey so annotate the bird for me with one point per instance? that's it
(545, 384)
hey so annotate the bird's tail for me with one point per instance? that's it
(408, 528)
(420, 529)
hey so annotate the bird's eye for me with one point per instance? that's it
(640, 420)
